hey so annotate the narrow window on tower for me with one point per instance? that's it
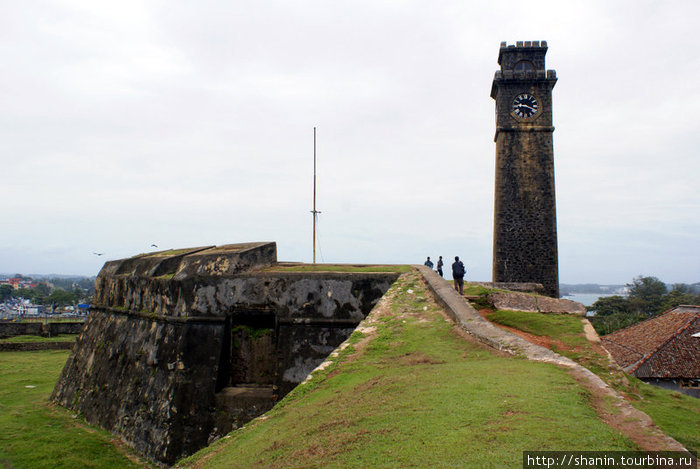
(524, 65)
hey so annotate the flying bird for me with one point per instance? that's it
(99, 253)
(154, 245)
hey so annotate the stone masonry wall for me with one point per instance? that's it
(149, 380)
(171, 331)
(525, 227)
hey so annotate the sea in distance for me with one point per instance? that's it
(586, 299)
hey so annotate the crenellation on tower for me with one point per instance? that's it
(529, 54)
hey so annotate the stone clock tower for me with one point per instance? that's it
(525, 222)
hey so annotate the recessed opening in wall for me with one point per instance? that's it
(249, 351)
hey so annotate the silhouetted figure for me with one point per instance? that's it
(458, 272)
(439, 266)
(428, 263)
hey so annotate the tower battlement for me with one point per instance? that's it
(523, 56)
(505, 45)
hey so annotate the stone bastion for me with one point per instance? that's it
(184, 345)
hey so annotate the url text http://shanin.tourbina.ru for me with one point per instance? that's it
(605, 459)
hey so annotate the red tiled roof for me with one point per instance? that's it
(660, 347)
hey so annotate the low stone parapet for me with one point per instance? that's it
(34, 346)
(49, 329)
(514, 301)
(513, 286)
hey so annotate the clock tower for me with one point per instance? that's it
(525, 222)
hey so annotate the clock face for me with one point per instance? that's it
(525, 105)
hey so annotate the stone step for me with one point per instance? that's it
(246, 391)
(237, 405)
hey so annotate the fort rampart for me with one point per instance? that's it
(182, 346)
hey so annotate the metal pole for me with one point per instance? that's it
(314, 211)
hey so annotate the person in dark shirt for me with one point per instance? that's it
(458, 272)
(428, 263)
(439, 266)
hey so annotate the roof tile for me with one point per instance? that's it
(659, 347)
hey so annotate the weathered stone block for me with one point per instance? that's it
(514, 301)
(560, 305)
(238, 405)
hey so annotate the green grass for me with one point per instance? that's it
(568, 339)
(253, 332)
(34, 434)
(472, 289)
(339, 268)
(36, 338)
(418, 395)
(676, 414)
(565, 327)
(480, 291)
(169, 252)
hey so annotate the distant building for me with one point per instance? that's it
(28, 309)
(663, 350)
(19, 282)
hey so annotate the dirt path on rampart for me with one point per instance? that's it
(610, 405)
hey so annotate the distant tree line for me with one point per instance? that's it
(70, 283)
(648, 296)
(54, 291)
(566, 289)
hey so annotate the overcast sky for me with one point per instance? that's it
(131, 123)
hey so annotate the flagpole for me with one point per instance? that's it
(314, 211)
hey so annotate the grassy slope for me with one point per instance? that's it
(339, 268)
(418, 395)
(676, 414)
(34, 434)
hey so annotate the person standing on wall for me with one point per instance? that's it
(439, 266)
(458, 272)
(428, 263)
